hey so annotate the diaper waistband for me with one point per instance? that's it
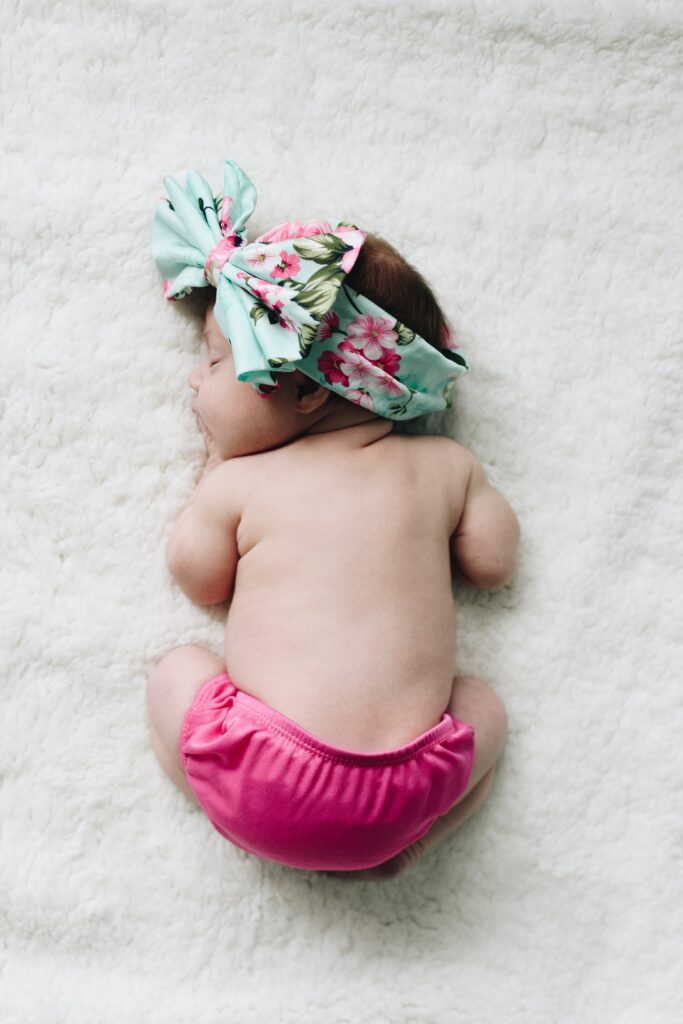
(273, 719)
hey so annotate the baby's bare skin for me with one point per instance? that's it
(341, 609)
(337, 544)
(343, 616)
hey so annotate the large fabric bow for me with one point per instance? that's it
(283, 304)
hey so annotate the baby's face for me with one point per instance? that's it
(237, 419)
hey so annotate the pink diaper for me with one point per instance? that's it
(275, 790)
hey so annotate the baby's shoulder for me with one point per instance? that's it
(448, 454)
(448, 465)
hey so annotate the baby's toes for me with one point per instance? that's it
(398, 864)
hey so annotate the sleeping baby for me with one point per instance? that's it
(333, 735)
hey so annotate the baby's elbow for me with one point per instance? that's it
(497, 576)
(503, 570)
(201, 593)
(491, 576)
(494, 569)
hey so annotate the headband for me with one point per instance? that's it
(283, 305)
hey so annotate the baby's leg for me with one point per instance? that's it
(472, 701)
(171, 688)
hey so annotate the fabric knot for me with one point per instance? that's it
(218, 256)
(284, 304)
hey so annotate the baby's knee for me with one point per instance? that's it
(156, 694)
(175, 678)
(499, 718)
(475, 702)
(170, 672)
(161, 677)
(178, 660)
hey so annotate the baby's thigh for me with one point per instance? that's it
(171, 688)
(474, 701)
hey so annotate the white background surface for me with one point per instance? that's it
(526, 157)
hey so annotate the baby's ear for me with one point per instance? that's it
(305, 386)
(309, 394)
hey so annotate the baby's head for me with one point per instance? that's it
(242, 422)
(387, 279)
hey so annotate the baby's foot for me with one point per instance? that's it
(388, 869)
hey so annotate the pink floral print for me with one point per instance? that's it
(328, 325)
(224, 216)
(347, 367)
(294, 229)
(372, 334)
(289, 265)
(292, 279)
(261, 259)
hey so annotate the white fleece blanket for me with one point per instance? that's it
(526, 157)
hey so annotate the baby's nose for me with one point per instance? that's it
(194, 379)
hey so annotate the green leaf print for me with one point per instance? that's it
(256, 312)
(453, 356)
(320, 291)
(396, 410)
(405, 335)
(292, 285)
(277, 362)
(322, 249)
(307, 335)
(399, 408)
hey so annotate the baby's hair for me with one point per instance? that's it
(383, 275)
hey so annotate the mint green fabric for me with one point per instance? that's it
(283, 304)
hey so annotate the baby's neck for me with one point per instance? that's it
(354, 426)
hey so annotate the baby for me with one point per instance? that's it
(333, 736)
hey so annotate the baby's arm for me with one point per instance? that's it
(201, 551)
(484, 544)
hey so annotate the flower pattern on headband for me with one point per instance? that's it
(295, 229)
(283, 303)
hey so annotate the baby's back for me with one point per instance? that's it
(343, 616)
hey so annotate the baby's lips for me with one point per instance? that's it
(208, 440)
(199, 420)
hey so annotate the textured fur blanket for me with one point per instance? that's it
(526, 158)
